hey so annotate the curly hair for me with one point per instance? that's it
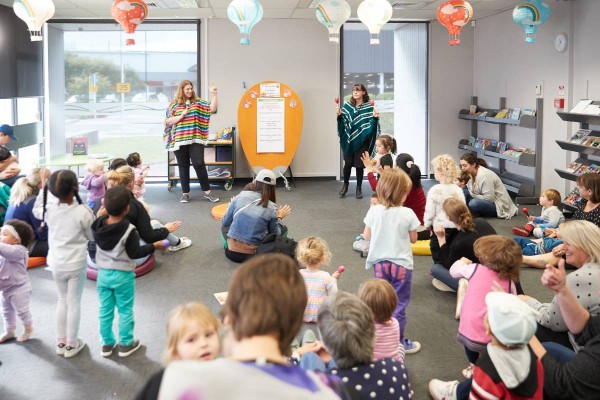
(313, 251)
(446, 168)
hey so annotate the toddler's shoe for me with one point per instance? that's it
(441, 390)
(60, 349)
(525, 231)
(125, 350)
(73, 351)
(183, 243)
(467, 373)
(410, 347)
(25, 335)
(107, 350)
(7, 336)
(309, 337)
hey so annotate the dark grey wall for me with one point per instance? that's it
(21, 67)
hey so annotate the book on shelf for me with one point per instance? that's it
(588, 140)
(493, 146)
(482, 114)
(514, 113)
(591, 109)
(579, 136)
(573, 166)
(501, 148)
(472, 109)
(478, 143)
(581, 106)
(472, 141)
(593, 169)
(528, 111)
(572, 198)
(502, 113)
(582, 169)
(596, 142)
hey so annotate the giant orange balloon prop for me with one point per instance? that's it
(454, 14)
(129, 13)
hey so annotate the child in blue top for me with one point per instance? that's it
(118, 245)
(391, 228)
(551, 216)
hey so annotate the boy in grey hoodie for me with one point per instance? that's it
(118, 246)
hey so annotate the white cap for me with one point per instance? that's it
(266, 176)
(511, 320)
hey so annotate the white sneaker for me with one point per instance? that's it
(185, 198)
(183, 243)
(467, 373)
(72, 351)
(441, 286)
(460, 295)
(441, 390)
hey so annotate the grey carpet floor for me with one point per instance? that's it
(33, 371)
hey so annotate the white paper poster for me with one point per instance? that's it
(270, 90)
(270, 125)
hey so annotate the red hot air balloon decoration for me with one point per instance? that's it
(129, 13)
(454, 14)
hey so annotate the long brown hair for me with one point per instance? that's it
(500, 254)
(361, 87)
(458, 212)
(472, 160)
(179, 96)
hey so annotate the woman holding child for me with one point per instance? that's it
(358, 128)
(486, 195)
(186, 133)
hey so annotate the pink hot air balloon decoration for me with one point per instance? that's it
(129, 13)
(454, 14)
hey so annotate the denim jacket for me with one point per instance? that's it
(251, 224)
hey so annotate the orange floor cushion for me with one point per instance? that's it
(36, 262)
(218, 211)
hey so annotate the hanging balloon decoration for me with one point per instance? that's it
(529, 15)
(374, 14)
(129, 13)
(454, 14)
(35, 13)
(245, 14)
(333, 14)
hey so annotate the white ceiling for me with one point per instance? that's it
(282, 9)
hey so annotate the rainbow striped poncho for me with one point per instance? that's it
(356, 125)
(193, 128)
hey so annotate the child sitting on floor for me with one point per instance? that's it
(381, 298)
(15, 286)
(360, 244)
(313, 253)
(192, 334)
(500, 260)
(551, 216)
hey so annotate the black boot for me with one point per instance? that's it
(344, 190)
(358, 192)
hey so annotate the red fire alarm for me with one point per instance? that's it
(559, 102)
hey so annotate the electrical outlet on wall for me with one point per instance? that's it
(538, 90)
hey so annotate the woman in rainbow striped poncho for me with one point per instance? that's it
(358, 127)
(186, 133)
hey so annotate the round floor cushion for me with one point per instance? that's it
(36, 262)
(421, 248)
(147, 266)
(218, 211)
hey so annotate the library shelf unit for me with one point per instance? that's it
(525, 188)
(222, 169)
(584, 121)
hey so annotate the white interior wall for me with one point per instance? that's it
(450, 89)
(505, 65)
(295, 52)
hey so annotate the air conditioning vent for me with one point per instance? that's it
(409, 5)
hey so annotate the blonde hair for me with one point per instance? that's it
(27, 186)
(122, 176)
(393, 187)
(446, 168)
(553, 195)
(179, 96)
(93, 164)
(582, 234)
(381, 298)
(313, 251)
(179, 319)
(500, 254)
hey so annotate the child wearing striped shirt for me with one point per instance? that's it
(381, 298)
(313, 253)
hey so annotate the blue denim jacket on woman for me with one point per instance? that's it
(252, 223)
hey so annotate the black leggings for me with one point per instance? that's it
(195, 153)
(360, 172)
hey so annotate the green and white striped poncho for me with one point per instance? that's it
(356, 126)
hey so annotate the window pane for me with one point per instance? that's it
(6, 111)
(116, 95)
(28, 110)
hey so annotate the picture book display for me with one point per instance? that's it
(580, 136)
(572, 198)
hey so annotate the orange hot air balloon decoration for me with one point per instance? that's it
(129, 13)
(454, 14)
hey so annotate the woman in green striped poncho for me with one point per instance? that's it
(186, 133)
(358, 127)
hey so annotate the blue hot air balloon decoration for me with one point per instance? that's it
(245, 14)
(529, 15)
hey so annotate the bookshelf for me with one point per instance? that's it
(525, 188)
(584, 151)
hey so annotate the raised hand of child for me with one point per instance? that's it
(172, 226)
